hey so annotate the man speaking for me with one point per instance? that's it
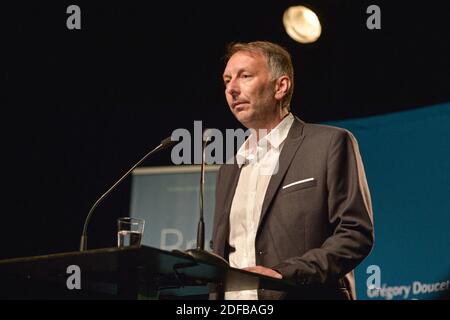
(295, 204)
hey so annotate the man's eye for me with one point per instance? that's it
(246, 76)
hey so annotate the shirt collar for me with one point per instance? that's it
(273, 139)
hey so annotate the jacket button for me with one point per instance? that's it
(260, 252)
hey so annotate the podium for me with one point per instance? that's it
(123, 273)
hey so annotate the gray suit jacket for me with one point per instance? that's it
(315, 232)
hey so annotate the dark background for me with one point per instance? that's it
(81, 106)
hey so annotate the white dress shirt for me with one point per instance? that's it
(259, 161)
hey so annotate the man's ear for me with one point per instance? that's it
(282, 87)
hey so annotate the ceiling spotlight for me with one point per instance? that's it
(302, 24)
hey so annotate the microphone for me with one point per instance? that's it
(164, 144)
(199, 253)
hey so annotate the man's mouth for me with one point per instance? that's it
(238, 105)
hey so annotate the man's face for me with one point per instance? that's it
(249, 89)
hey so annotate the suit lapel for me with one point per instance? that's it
(292, 143)
(224, 224)
(234, 178)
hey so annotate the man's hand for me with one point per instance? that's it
(265, 271)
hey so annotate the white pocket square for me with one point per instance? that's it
(297, 182)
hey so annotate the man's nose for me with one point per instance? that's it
(233, 88)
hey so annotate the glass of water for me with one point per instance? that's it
(130, 231)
